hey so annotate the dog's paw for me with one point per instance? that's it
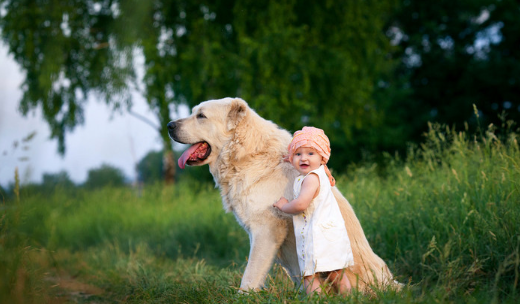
(398, 286)
(244, 291)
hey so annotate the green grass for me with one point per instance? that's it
(448, 216)
(446, 220)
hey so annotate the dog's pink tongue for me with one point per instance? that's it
(186, 155)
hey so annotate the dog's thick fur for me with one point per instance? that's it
(246, 162)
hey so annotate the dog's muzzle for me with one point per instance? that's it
(172, 126)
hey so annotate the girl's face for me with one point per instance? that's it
(306, 159)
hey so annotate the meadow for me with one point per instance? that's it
(445, 219)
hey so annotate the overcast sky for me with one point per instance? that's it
(114, 139)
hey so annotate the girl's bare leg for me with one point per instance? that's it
(340, 281)
(312, 284)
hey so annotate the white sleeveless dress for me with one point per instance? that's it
(322, 241)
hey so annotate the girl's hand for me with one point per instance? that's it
(280, 203)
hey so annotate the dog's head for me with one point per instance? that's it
(207, 129)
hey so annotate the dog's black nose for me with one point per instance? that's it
(171, 126)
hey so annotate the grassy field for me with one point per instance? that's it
(445, 219)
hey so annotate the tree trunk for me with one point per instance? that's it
(169, 166)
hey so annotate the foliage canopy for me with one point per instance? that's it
(370, 73)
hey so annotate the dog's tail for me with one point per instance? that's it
(369, 269)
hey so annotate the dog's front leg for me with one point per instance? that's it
(265, 241)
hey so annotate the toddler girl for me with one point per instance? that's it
(322, 242)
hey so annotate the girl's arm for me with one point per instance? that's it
(310, 189)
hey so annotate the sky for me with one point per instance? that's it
(105, 138)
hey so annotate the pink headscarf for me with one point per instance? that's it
(315, 138)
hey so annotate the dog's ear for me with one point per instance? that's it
(237, 111)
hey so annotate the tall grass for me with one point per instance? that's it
(446, 220)
(171, 221)
(447, 216)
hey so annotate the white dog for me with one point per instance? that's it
(245, 156)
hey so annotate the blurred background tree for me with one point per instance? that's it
(60, 179)
(50, 183)
(104, 176)
(455, 54)
(150, 167)
(370, 73)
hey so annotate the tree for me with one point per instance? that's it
(50, 183)
(60, 179)
(456, 54)
(296, 63)
(104, 176)
(317, 64)
(150, 167)
(66, 51)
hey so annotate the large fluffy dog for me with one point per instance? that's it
(245, 156)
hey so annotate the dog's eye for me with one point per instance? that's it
(200, 115)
